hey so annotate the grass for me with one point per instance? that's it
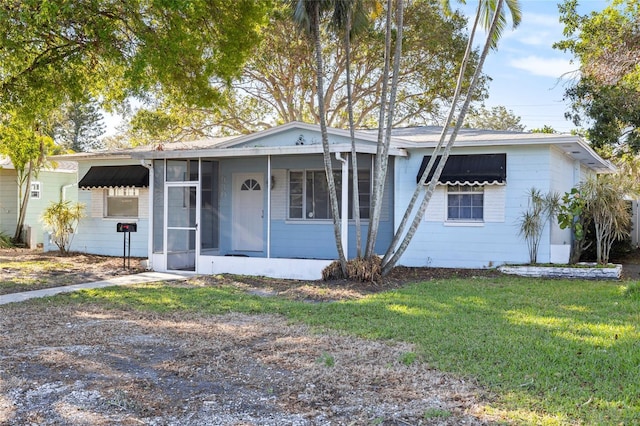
(551, 351)
(32, 275)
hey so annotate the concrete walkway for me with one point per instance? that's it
(145, 277)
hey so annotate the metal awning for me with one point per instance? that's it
(474, 169)
(114, 176)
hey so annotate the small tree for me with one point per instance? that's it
(62, 218)
(572, 215)
(533, 220)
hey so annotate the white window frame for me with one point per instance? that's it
(462, 190)
(129, 194)
(35, 191)
(337, 178)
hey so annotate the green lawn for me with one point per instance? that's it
(552, 351)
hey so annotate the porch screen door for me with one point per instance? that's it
(181, 232)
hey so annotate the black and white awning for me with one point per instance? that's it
(115, 176)
(473, 169)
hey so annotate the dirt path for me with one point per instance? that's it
(87, 366)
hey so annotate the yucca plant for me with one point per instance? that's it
(62, 218)
(605, 204)
(5, 241)
(533, 220)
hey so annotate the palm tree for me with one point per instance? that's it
(349, 16)
(493, 16)
(385, 122)
(307, 15)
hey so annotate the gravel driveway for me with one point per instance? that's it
(85, 365)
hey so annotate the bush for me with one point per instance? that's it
(62, 218)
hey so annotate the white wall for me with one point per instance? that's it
(97, 234)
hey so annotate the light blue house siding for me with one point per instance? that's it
(97, 233)
(52, 186)
(49, 185)
(8, 201)
(495, 240)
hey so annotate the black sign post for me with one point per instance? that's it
(126, 229)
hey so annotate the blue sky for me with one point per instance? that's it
(529, 76)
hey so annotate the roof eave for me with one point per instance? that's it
(263, 151)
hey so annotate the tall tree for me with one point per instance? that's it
(53, 51)
(78, 126)
(494, 18)
(607, 94)
(278, 83)
(307, 14)
(496, 118)
(385, 122)
(345, 13)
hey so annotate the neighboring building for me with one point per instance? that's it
(257, 204)
(52, 183)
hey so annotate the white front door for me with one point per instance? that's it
(248, 212)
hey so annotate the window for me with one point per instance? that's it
(309, 194)
(122, 202)
(35, 190)
(465, 203)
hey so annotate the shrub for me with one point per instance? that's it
(62, 218)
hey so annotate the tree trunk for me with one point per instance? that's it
(354, 152)
(333, 198)
(397, 254)
(24, 189)
(382, 153)
(378, 183)
(420, 186)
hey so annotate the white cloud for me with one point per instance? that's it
(545, 67)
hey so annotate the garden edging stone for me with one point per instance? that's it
(588, 273)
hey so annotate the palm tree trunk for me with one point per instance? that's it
(378, 183)
(382, 153)
(420, 186)
(354, 153)
(388, 266)
(333, 198)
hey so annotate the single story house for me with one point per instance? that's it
(52, 183)
(258, 203)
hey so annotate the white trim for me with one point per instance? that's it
(462, 223)
(38, 190)
(262, 151)
(344, 221)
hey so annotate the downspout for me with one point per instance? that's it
(345, 203)
(269, 207)
(150, 207)
(63, 190)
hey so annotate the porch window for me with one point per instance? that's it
(34, 193)
(309, 194)
(465, 203)
(122, 202)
